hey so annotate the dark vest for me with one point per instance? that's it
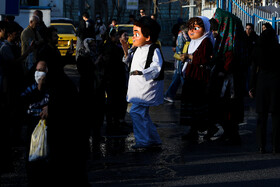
(150, 59)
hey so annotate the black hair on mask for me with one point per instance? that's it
(149, 27)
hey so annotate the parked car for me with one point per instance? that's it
(67, 36)
(128, 28)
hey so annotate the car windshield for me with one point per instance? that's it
(129, 30)
(64, 29)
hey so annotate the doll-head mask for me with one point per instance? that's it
(195, 28)
(138, 38)
(145, 31)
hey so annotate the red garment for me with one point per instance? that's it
(197, 69)
(228, 61)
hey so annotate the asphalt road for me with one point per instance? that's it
(182, 164)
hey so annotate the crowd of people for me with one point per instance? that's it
(222, 65)
(217, 64)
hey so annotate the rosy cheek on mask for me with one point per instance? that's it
(195, 33)
(138, 40)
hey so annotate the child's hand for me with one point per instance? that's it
(184, 57)
(190, 57)
(136, 72)
(125, 47)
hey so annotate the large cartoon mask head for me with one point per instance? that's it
(145, 31)
(195, 28)
(138, 38)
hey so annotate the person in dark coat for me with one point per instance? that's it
(115, 81)
(250, 41)
(85, 30)
(65, 134)
(227, 82)
(91, 93)
(265, 86)
(41, 26)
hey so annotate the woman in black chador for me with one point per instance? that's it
(265, 86)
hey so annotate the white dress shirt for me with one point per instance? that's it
(143, 89)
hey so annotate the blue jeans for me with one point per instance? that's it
(145, 131)
(177, 79)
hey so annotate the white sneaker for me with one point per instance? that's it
(168, 99)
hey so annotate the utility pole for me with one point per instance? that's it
(155, 6)
(191, 7)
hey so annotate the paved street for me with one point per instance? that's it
(178, 163)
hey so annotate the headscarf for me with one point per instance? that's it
(195, 43)
(266, 51)
(230, 31)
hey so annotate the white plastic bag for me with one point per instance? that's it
(38, 145)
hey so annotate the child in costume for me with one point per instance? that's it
(194, 104)
(145, 86)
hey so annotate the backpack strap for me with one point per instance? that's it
(150, 59)
(132, 53)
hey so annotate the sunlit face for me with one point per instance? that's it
(33, 23)
(2, 34)
(196, 31)
(249, 30)
(263, 27)
(42, 66)
(138, 38)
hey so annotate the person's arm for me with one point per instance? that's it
(128, 59)
(24, 41)
(103, 29)
(180, 43)
(125, 46)
(45, 112)
(7, 54)
(26, 53)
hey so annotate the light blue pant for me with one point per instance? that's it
(177, 80)
(145, 131)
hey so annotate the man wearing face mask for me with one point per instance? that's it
(100, 30)
(35, 99)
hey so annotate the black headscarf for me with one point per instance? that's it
(266, 53)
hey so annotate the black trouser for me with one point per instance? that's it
(262, 130)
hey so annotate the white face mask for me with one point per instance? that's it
(38, 75)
